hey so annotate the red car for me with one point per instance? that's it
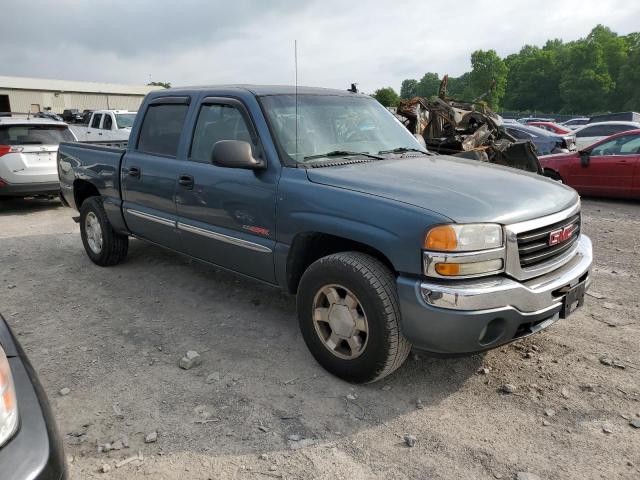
(551, 127)
(608, 168)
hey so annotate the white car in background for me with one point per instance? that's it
(28, 150)
(106, 126)
(593, 132)
(575, 122)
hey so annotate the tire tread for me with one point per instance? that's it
(381, 279)
(115, 245)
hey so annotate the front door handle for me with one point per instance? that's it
(134, 172)
(186, 181)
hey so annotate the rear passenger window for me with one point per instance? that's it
(215, 123)
(161, 129)
(95, 123)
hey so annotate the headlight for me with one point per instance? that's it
(464, 251)
(8, 405)
(463, 238)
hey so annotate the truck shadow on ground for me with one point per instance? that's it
(258, 384)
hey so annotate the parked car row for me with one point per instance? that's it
(594, 132)
(609, 167)
(578, 122)
(29, 145)
(545, 141)
(72, 115)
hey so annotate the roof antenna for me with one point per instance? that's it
(295, 61)
(353, 88)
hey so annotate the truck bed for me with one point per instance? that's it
(97, 163)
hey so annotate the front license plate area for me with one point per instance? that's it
(572, 300)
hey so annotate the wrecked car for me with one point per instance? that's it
(466, 129)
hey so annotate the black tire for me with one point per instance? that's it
(114, 245)
(374, 286)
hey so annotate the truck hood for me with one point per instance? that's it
(463, 190)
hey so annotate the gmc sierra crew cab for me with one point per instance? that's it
(326, 195)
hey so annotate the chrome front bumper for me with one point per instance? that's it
(536, 295)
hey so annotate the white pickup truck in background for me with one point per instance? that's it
(106, 125)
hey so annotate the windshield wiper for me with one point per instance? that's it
(402, 150)
(342, 153)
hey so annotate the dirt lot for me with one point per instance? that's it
(114, 337)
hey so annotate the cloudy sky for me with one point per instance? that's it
(195, 42)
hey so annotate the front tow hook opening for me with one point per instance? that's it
(492, 332)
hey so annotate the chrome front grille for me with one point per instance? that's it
(534, 248)
(529, 254)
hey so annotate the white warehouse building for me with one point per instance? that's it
(21, 94)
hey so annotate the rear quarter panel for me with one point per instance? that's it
(98, 165)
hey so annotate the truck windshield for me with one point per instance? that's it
(335, 124)
(125, 120)
(34, 135)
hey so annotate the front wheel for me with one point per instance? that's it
(103, 245)
(350, 317)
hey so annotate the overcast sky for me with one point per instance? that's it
(195, 42)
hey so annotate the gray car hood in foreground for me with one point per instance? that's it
(463, 190)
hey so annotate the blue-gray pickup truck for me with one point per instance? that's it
(324, 194)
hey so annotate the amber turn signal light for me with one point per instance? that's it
(442, 238)
(448, 269)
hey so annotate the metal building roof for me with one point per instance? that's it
(26, 83)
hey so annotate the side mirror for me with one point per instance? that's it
(235, 154)
(584, 158)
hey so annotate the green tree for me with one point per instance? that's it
(586, 84)
(533, 79)
(409, 88)
(160, 84)
(627, 89)
(428, 85)
(600, 72)
(614, 48)
(458, 87)
(387, 97)
(487, 68)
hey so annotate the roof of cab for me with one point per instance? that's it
(257, 90)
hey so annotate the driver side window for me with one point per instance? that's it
(624, 145)
(632, 147)
(217, 122)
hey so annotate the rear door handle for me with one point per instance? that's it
(186, 181)
(134, 172)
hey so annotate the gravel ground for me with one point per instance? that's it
(260, 407)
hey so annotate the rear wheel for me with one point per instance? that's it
(103, 245)
(350, 317)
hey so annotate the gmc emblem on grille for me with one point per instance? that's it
(561, 235)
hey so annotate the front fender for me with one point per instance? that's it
(393, 228)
